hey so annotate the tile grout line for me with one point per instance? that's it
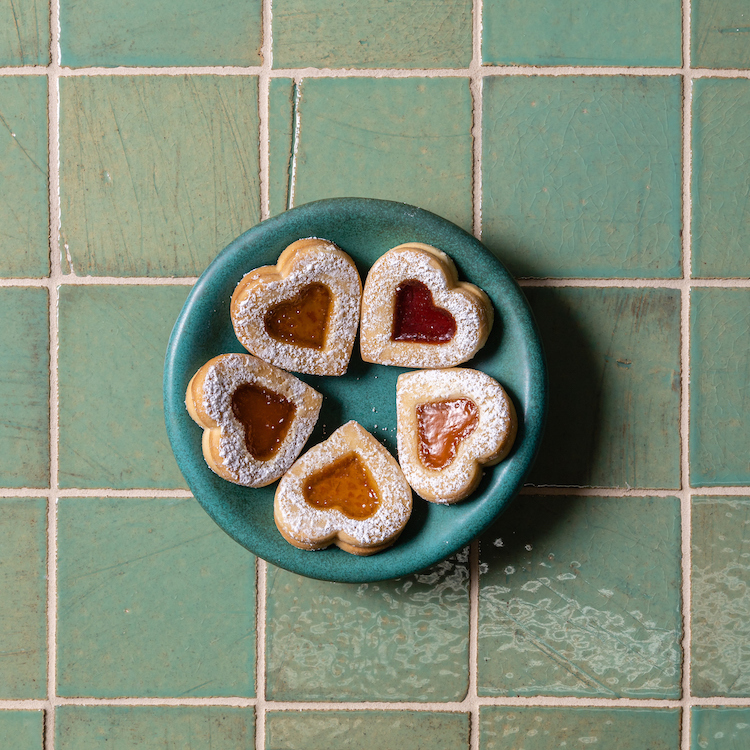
(476, 88)
(685, 496)
(53, 84)
(265, 191)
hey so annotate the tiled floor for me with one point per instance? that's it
(609, 606)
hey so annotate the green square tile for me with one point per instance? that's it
(153, 600)
(157, 173)
(166, 32)
(373, 34)
(112, 343)
(22, 730)
(605, 728)
(582, 175)
(24, 191)
(586, 32)
(366, 730)
(24, 32)
(720, 34)
(24, 387)
(613, 358)
(719, 728)
(721, 177)
(402, 640)
(154, 728)
(282, 103)
(719, 366)
(581, 596)
(721, 596)
(399, 139)
(23, 593)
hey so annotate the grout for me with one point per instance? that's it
(264, 84)
(260, 654)
(473, 693)
(53, 84)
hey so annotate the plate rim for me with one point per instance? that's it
(536, 408)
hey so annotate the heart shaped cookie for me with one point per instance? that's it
(450, 423)
(348, 491)
(301, 314)
(416, 313)
(256, 418)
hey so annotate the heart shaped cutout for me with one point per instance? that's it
(416, 313)
(451, 423)
(417, 318)
(348, 491)
(301, 314)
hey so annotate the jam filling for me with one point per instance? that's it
(441, 426)
(301, 320)
(417, 318)
(344, 485)
(266, 417)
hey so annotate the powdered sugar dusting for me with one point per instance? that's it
(473, 318)
(310, 525)
(494, 429)
(223, 378)
(324, 264)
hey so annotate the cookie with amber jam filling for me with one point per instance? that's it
(416, 313)
(301, 314)
(255, 417)
(450, 423)
(348, 491)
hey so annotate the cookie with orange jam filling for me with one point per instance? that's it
(450, 423)
(301, 314)
(348, 491)
(255, 417)
(416, 313)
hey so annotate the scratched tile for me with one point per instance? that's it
(157, 173)
(613, 359)
(23, 593)
(586, 32)
(582, 175)
(24, 387)
(24, 229)
(109, 33)
(411, 143)
(281, 114)
(154, 727)
(548, 728)
(112, 343)
(719, 728)
(153, 600)
(22, 730)
(721, 176)
(24, 32)
(720, 34)
(394, 641)
(366, 730)
(719, 365)
(581, 596)
(721, 596)
(375, 34)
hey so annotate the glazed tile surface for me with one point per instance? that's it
(600, 150)
(154, 600)
(154, 727)
(24, 245)
(721, 596)
(396, 640)
(548, 728)
(176, 176)
(583, 602)
(23, 626)
(366, 730)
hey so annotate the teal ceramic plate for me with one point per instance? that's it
(367, 393)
